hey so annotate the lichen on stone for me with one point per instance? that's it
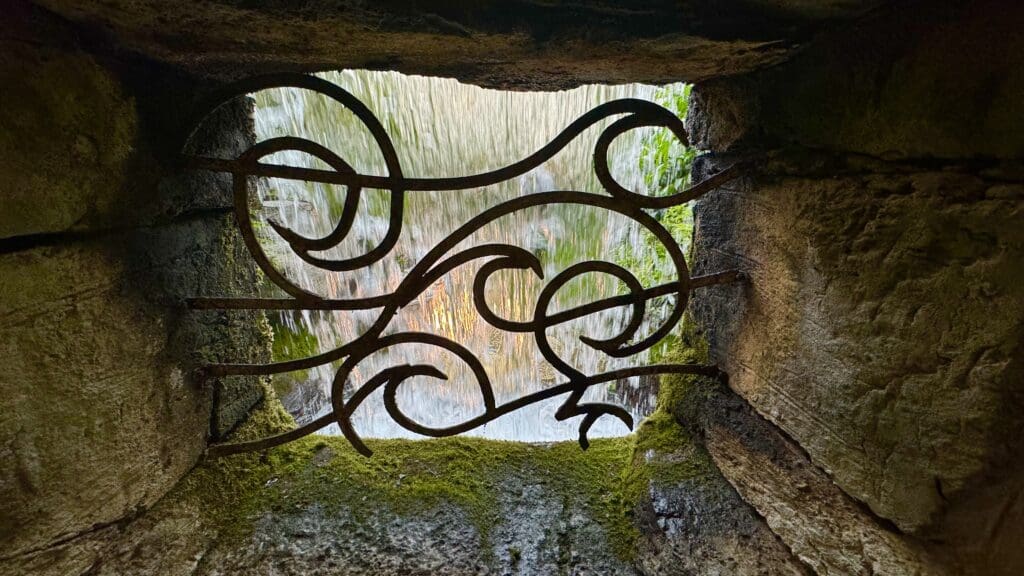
(409, 477)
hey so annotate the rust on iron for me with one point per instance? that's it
(440, 260)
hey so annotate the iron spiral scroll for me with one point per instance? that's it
(438, 261)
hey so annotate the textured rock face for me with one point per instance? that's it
(823, 526)
(881, 328)
(538, 535)
(545, 512)
(82, 393)
(923, 80)
(38, 195)
(702, 528)
(313, 541)
(519, 45)
(100, 413)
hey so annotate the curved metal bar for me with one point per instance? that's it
(395, 180)
(227, 448)
(414, 283)
(301, 244)
(440, 261)
(243, 217)
(392, 377)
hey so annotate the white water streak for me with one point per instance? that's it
(443, 128)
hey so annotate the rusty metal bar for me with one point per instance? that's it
(440, 261)
(377, 302)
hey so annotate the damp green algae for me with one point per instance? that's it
(288, 344)
(407, 477)
(609, 482)
(681, 396)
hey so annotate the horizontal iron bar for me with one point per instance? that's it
(281, 304)
(381, 301)
(392, 182)
(228, 448)
(332, 177)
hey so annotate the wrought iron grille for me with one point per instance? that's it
(439, 261)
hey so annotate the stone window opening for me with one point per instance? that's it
(507, 385)
(865, 417)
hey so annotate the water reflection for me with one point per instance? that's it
(443, 128)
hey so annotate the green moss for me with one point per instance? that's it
(609, 481)
(405, 477)
(671, 454)
(409, 477)
(291, 340)
(269, 417)
(229, 491)
(293, 343)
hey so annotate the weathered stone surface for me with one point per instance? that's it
(170, 544)
(986, 528)
(100, 414)
(97, 421)
(829, 531)
(88, 143)
(543, 532)
(702, 527)
(452, 507)
(822, 525)
(66, 135)
(312, 541)
(521, 45)
(722, 114)
(882, 325)
(538, 533)
(923, 80)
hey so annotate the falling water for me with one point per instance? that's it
(443, 128)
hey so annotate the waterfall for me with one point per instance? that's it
(443, 128)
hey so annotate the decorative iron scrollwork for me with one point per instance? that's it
(439, 261)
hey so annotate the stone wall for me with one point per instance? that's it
(649, 504)
(516, 45)
(880, 225)
(100, 413)
(872, 418)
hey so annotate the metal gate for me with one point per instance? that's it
(440, 260)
